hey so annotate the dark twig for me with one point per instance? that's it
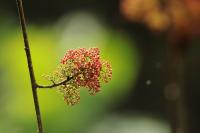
(30, 66)
(56, 84)
(60, 83)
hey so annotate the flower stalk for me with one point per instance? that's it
(30, 66)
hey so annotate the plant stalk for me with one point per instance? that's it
(30, 66)
(175, 91)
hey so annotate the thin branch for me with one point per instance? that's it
(55, 84)
(30, 66)
(61, 83)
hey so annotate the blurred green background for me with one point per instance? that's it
(131, 102)
(48, 45)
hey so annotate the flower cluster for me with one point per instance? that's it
(85, 69)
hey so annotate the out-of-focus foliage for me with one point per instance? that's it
(129, 123)
(180, 16)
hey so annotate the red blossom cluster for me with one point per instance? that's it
(86, 69)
